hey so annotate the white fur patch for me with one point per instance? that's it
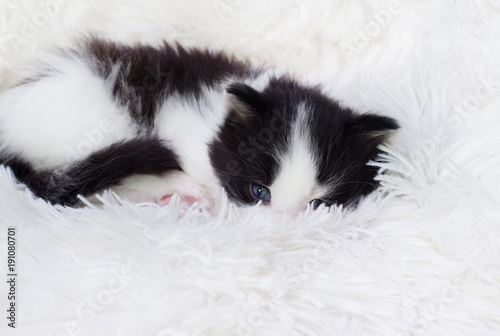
(296, 184)
(190, 126)
(61, 117)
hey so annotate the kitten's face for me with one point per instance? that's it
(289, 146)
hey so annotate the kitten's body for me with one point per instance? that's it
(151, 122)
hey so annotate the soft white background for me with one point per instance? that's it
(419, 257)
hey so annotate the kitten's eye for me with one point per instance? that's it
(317, 202)
(260, 193)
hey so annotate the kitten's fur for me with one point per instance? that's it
(150, 122)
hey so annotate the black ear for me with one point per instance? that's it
(244, 102)
(371, 126)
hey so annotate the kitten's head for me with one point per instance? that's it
(289, 146)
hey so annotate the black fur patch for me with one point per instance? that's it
(346, 142)
(146, 75)
(103, 169)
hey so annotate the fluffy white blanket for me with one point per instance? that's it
(421, 256)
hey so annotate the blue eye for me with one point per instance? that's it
(317, 202)
(260, 193)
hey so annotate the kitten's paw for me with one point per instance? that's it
(160, 190)
(185, 201)
(187, 191)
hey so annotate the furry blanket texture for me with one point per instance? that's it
(420, 256)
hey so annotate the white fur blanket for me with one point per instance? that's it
(421, 256)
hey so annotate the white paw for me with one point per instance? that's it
(145, 188)
(188, 191)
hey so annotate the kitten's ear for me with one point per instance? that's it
(372, 126)
(244, 102)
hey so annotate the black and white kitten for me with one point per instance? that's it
(150, 122)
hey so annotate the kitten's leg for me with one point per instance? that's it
(101, 170)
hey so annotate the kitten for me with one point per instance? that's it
(153, 121)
